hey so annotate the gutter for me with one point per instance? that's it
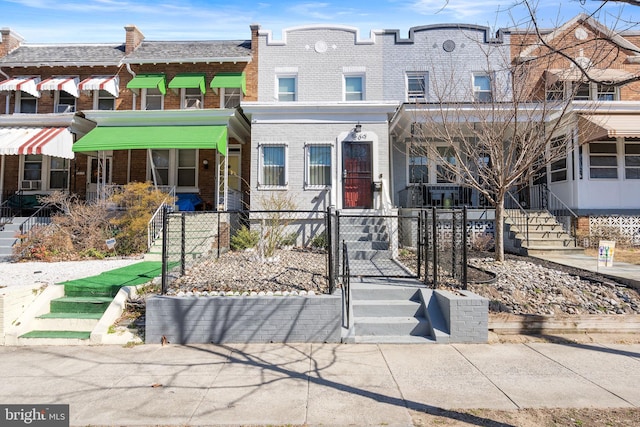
(187, 60)
(6, 108)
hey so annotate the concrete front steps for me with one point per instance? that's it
(56, 319)
(9, 236)
(546, 236)
(366, 237)
(385, 313)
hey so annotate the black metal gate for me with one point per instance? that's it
(425, 244)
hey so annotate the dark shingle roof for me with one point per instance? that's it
(181, 51)
(64, 54)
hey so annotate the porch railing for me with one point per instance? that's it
(346, 285)
(543, 198)
(154, 227)
(40, 217)
(442, 196)
(518, 215)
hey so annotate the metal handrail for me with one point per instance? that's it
(346, 284)
(563, 213)
(154, 226)
(39, 217)
(520, 219)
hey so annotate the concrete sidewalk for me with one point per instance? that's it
(628, 274)
(314, 384)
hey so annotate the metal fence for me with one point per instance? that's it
(424, 244)
(191, 237)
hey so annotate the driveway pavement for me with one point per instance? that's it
(314, 384)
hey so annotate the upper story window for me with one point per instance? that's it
(65, 102)
(152, 99)
(103, 100)
(230, 97)
(354, 88)
(596, 92)
(555, 91)
(482, 88)
(192, 98)
(582, 92)
(606, 93)
(287, 88)
(417, 86)
(26, 103)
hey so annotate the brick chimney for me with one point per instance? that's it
(134, 38)
(10, 41)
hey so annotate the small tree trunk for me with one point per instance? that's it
(499, 240)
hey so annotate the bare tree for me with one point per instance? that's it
(495, 139)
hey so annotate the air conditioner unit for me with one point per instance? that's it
(192, 104)
(31, 185)
(62, 108)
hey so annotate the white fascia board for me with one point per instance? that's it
(204, 117)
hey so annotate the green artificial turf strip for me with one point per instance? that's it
(81, 335)
(71, 316)
(109, 282)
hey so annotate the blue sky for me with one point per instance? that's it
(49, 21)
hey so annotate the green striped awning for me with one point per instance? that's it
(188, 81)
(149, 81)
(156, 137)
(230, 80)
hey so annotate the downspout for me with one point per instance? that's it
(2, 161)
(133, 107)
(6, 108)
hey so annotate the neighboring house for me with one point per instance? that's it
(165, 112)
(41, 87)
(438, 64)
(599, 177)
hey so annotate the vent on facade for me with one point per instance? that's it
(31, 185)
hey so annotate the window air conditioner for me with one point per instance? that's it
(31, 185)
(62, 108)
(192, 104)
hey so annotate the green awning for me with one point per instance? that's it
(149, 81)
(230, 80)
(188, 81)
(156, 137)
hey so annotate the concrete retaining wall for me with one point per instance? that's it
(13, 302)
(466, 315)
(190, 320)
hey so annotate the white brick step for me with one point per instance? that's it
(391, 326)
(384, 308)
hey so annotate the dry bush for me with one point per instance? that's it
(482, 242)
(80, 230)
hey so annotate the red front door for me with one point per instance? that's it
(357, 175)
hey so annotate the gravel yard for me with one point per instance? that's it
(523, 285)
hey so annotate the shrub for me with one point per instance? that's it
(289, 240)
(79, 230)
(319, 241)
(244, 239)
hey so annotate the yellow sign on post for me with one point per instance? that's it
(606, 248)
